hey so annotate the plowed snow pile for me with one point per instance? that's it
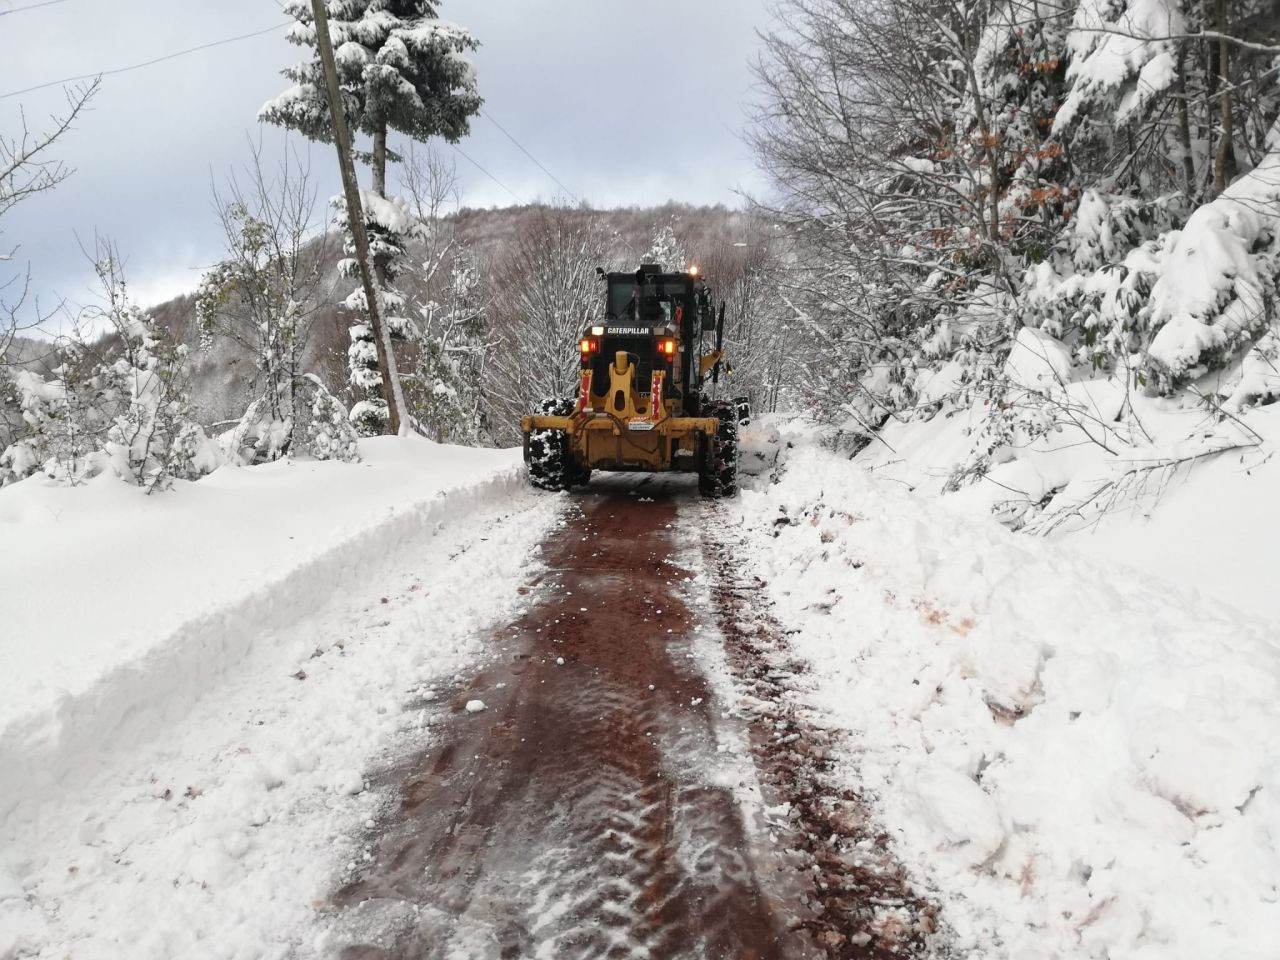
(1077, 760)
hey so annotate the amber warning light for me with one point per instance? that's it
(667, 347)
(588, 345)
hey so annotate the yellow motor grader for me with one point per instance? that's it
(644, 384)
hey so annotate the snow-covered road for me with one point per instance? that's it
(621, 779)
(600, 805)
(469, 721)
(517, 734)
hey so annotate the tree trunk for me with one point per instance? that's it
(1224, 158)
(380, 161)
(355, 218)
(1184, 130)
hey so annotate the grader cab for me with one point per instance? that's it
(644, 400)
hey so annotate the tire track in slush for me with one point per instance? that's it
(563, 822)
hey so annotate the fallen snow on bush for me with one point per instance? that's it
(196, 687)
(1078, 761)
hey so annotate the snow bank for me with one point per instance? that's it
(1077, 760)
(226, 837)
(120, 609)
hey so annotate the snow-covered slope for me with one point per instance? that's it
(1174, 507)
(1075, 757)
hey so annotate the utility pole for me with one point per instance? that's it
(355, 217)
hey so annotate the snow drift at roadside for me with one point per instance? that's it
(1076, 759)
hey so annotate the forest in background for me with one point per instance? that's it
(497, 305)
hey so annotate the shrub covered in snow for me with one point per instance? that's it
(330, 434)
(119, 406)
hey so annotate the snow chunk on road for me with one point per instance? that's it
(348, 783)
(959, 813)
(476, 706)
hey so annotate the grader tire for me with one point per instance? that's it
(718, 465)
(551, 464)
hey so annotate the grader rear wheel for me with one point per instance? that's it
(718, 460)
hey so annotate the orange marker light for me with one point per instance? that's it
(668, 347)
(587, 346)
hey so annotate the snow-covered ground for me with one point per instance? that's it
(196, 685)
(1075, 757)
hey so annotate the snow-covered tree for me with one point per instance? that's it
(548, 292)
(390, 225)
(153, 437)
(446, 396)
(330, 434)
(1028, 213)
(400, 68)
(666, 249)
(119, 405)
(28, 168)
(263, 296)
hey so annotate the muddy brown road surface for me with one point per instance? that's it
(594, 808)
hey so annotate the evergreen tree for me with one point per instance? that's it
(390, 225)
(399, 67)
(329, 431)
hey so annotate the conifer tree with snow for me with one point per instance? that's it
(330, 434)
(402, 69)
(390, 225)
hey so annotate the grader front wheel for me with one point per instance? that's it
(551, 463)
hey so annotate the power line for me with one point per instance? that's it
(258, 33)
(505, 133)
(488, 174)
(31, 6)
(146, 63)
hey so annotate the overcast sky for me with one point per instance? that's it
(626, 103)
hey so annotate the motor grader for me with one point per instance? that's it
(644, 400)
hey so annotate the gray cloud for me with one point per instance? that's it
(625, 103)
